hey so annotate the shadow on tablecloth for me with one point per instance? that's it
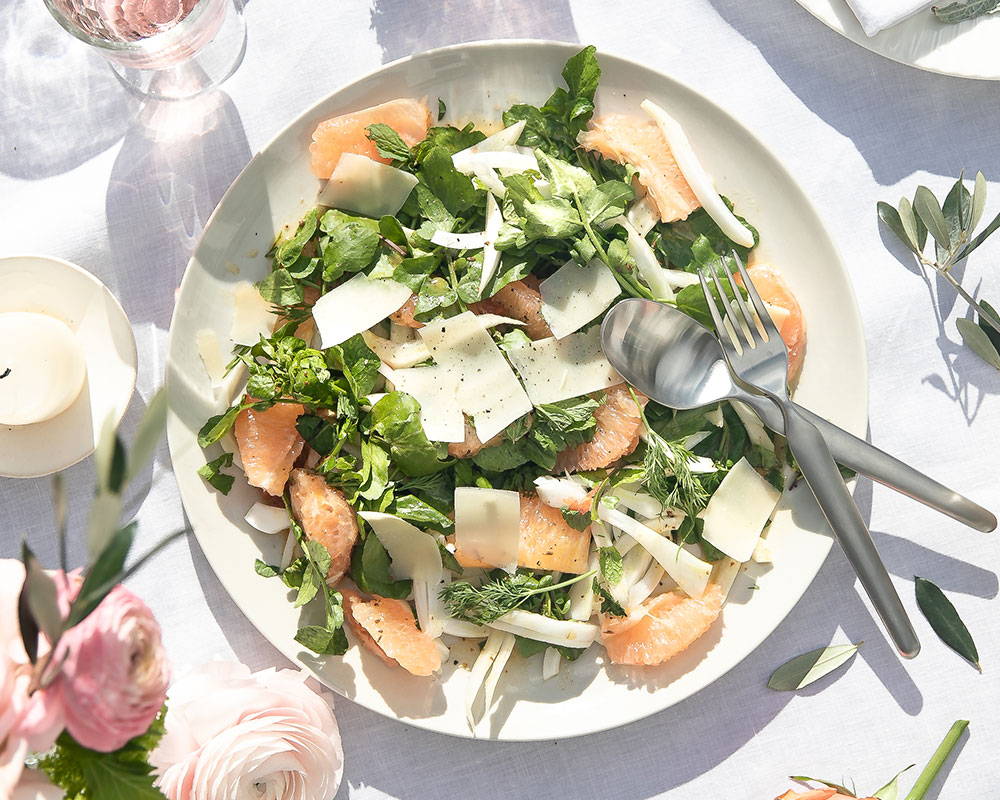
(409, 26)
(895, 115)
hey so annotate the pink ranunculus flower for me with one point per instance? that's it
(114, 672)
(241, 736)
(27, 722)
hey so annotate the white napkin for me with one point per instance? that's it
(877, 15)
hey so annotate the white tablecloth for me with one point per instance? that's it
(89, 175)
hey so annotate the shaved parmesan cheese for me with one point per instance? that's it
(459, 241)
(365, 186)
(724, 575)
(416, 557)
(650, 269)
(252, 315)
(550, 663)
(643, 214)
(495, 159)
(397, 355)
(355, 306)
(678, 278)
(554, 370)
(492, 320)
(755, 430)
(738, 511)
(762, 552)
(573, 295)
(501, 140)
(715, 417)
(643, 504)
(690, 572)
(210, 351)
(560, 492)
(488, 656)
(564, 633)
(267, 519)
(434, 389)
(669, 520)
(467, 630)
(486, 387)
(488, 525)
(698, 179)
(491, 256)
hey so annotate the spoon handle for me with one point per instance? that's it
(863, 457)
(824, 479)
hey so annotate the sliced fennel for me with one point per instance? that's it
(698, 179)
(565, 633)
(484, 663)
(268, 519)
(550, 663)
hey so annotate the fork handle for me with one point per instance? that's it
(864, 457)
(821, 473)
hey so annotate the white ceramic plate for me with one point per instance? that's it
(67, 292)
(477, 81)
(966, 50)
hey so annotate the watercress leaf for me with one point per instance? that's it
(605, 202)
(502, 457)
(436, 297)
(307, 589)
(266, 570)
(521, 189)
(213, 474)
(318, 433)
(412, 508)
(582, 73)
(945, 621)
(455, 191)
(391, 230)
(376, 469)
(281, 289)
(350, 247)
(433, 208)
(449, 138)
(978, 341)
(926, 206)
(555, 219)
(396, 418)
(802, 670)
(370, 569)
(287, 252)
(388, 143)
(610, 560)
(358, 363)
(565, 179)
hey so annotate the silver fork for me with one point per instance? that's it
(758, 360)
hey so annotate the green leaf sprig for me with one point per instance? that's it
(961, 11)
(484, 604)
(802, 670)
(950, 225)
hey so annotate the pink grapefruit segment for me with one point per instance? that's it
(773, 289)
(638, 142)
(269, 444)
(619, 425)
(388, 628)
(326, 517)
(346, 133)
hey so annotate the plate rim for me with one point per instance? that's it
(864, 41)
(853, 318)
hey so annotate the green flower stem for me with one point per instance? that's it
(937, 761)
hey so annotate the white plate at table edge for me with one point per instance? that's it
(963, 50)
(584, 697)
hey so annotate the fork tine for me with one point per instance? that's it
(730, 325)
(750, 331)
(725, 336)
(769, 327)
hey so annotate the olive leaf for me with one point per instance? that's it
(959, 12)
(829, 784)
(978, 341)
(926, 206)
(945, 621)
(802, 670)
(891, 790)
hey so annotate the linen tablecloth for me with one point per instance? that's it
(88, 174)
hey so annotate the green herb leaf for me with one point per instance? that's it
(213, 474)
(370, 570)
(551, 219)
(266, 570)
(351, 246)
(611, 564)
(944, 619)
(577, 520)
(281, 289)
(388, 143)
(287, 252)
(608, 603)
(802, 670)
(218, 426)
(487, 603)
(412, 508)
(455, 191)
(396, 418)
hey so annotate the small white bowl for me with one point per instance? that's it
(58, 289)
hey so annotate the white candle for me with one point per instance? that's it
(42, 367)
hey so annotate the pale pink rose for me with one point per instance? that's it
(241, 736)
(114, 673)
(27, 723)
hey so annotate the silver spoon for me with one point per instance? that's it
(679, 363)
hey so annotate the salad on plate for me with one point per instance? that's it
(419, 394)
